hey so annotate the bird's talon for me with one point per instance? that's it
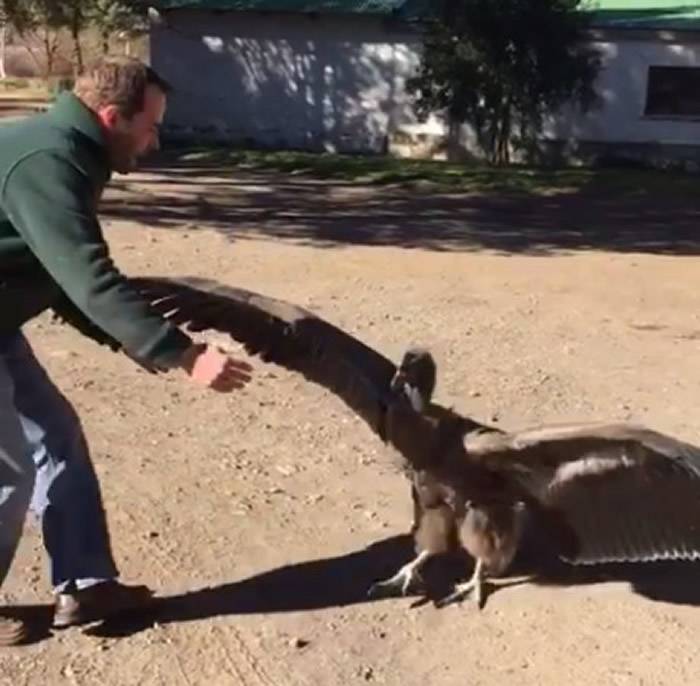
(388, 588)
(380, 589)
(473, 587)
(391, 587)
(410, 581)
(459, 594)
(402, 580)
(376, 590)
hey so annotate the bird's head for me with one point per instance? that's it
(416, 377)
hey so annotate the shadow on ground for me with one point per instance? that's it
(345, 580)
(337, 212)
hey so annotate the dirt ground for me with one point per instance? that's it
(262, 517)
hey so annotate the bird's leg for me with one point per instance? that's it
(402, 580)
(475, 585)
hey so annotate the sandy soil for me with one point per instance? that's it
(261, 518)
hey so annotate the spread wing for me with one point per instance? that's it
(281, 333)
(625, 492)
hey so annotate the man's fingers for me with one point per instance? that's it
(239, 367)
(239, 364)
(235, 362)
(226, 384)
(234, 376)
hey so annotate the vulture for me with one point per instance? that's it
(600, 492)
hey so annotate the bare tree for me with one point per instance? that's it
(3, 42)
(76, 14)
(38, 22)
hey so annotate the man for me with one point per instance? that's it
(53, 169)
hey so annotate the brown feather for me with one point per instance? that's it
(627, 493)
(281, 333)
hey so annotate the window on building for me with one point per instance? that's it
(673, 92)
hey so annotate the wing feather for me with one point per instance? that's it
(628, 493)
(280, 333)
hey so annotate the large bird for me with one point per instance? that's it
(601, 492)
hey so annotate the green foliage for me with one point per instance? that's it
(13, 13)
(42, 18)
(19, 84)
(46, 19)
(28, 15)
(502, 65)
(430, 176)
(115, 16)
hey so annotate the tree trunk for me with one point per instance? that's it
(49, 53)
(77, 47)
(494, 140)
(503, 135)
(105, 42)
(454, 130)
(3, 39)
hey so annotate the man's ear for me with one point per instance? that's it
(109, 116)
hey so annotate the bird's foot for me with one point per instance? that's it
(401, 582)
(474, 587)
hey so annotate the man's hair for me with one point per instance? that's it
(119, 81)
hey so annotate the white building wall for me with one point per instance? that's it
(622, 86)
(286, 80)
(337, 83)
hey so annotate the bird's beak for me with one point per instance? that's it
(398, 382)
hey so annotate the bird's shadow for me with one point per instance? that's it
(345, 580)
(38, 619)
(667, 581)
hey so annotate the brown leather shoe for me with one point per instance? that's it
(99, 602)
(12, 631)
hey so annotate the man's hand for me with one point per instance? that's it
(215, 369)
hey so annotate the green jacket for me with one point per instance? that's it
(53, 169)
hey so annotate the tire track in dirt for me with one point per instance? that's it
(258, 674)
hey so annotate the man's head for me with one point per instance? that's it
(129, 100)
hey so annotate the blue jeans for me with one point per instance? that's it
(45, 465)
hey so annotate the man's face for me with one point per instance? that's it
(130, 139)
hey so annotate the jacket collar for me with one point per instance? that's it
(70, 112)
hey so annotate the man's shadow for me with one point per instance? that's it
(344, 580)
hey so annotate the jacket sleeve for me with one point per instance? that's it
(52, 204)
(66, 312)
